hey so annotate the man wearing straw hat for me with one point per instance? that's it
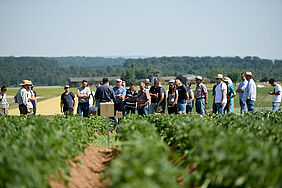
(250, 92)
(220, 97)
(22, 97)
(201, 95)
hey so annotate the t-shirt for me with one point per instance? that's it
(171, 98)
(3, 101)
(154, 90)
(242, 86)
(29, 95)
(277, 98)
(131, 95)
(105, 93)
(68, 100)
(162, 90)
(182, 90)
(119, 91)
(83, 91)
(200, 91)
(219, 91)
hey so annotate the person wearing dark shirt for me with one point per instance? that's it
(104, 93)
(154, 94)
(67, 102)
(161, 102)
(34, 102)
(182, 97)
(214, 108)
(130, 100)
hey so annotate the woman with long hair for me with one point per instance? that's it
(172, 98)
(190, 102)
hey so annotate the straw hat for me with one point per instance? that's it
(226, 79)
(26, 82)
(220, 76)
(249, 74)
(147, 80)
(199, 78)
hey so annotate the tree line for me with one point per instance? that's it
(49, 71)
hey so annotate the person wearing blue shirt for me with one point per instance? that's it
(230, 95)
(242, 86)
(120, 93)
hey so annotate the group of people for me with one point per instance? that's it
(154, 99)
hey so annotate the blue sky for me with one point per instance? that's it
(141, 28)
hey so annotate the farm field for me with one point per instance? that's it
(229, 150)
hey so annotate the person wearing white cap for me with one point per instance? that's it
(220, 97)
(276, 94)
(22, 97)
(242, 86)
(201, 95)
(250, 92)
(67, 101)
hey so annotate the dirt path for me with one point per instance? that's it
(94, 161)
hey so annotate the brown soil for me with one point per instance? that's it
(94, 161)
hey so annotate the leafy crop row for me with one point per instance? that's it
(224, 151)
(33, 147)
(144, 159)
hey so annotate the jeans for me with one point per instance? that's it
(200, 106)
(251, 105)
(189, 107)
(128, 109)
(243, 105)
(83, 107)
(143, 111)
(152, 108)
(181, 108)
(275, 106)
(220, 108)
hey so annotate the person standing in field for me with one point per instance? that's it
(83, 95)
(130, 100)
(104, 93)
(143, 100)
(201, 95)
(154, 94)
(214, 109)
(67, 102)
(276, 94)
(220, 97)
(31, 99)
(147, 85)
(161, 102)
(22, 97)
(120, 93)
(250, 92)
(242, 86)
(182, 97)
(172, 97)
(190, 102)
(4, 105)
(230, 95)
(34, 102)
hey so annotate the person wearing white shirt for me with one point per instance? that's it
(276, 94)
(220, 98)
(250, 92)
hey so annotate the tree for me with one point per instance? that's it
(234, 76)
(211, 74)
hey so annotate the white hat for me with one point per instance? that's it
(118, 80)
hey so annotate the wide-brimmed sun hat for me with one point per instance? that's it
(226, 79)
(199, 78)
(219, 76)
(147, 80)
(248, 74)
(26, 82)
